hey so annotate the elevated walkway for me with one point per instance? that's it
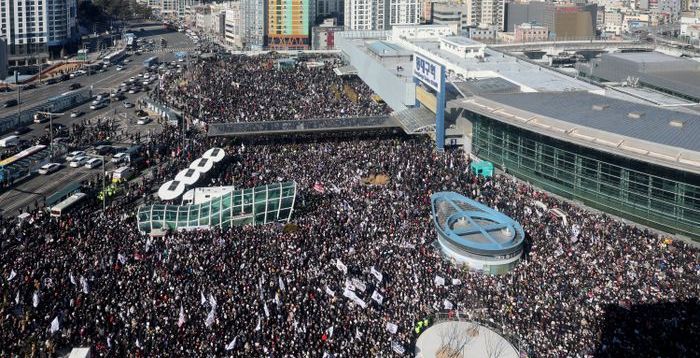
(416, 120)
(300, 126)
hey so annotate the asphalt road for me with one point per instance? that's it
(36, 188)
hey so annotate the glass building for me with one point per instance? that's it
(654, 184)
(259, 205)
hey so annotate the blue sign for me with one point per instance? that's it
(181, 54)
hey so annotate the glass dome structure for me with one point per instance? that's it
(259, 205)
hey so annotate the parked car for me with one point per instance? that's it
(120, 158)
(134, 90)
(143, 120)
(98, 105)
(128, 104)
(72, 155)
(22, 130)
(103, 149)
(74, 86)
(76, 114)
(119, 68)
(93, 163)
(10, 103)
(49, 168)
(78, 161)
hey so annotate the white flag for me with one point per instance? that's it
(35, 299)
(84, 283)
(109, 342)
(212, 301)
(439, 281)
(181, 320)
(267, 311)
(257, 328)
(360, 302)
(339, 264)
(231, 344)
(12, 275)
(456, 281)
(210, 319)
(277, 299)
(17, 298)
(349, 285)
(358, 335)
(397, 347)
(330, 292)
(359, 284)
(121, 258)
(447, 304)
(202, 299)
(378, 275)
(349, 294)
(392, 328)
(72, 279)
(54, 325)
(138, 344)
(281, 283)
(377, 297)
(330, 332)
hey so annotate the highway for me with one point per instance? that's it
(35, 189)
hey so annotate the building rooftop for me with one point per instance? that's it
(635, 130)
(497, 64)
(387, 49)
(462, 41)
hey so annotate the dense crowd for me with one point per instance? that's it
(91, 279)
(266, 88)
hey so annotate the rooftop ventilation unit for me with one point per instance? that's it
(600, 107)
(635, 115)
(676, 123)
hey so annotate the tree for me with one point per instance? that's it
(454, 336)
(495, 345)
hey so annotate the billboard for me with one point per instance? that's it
(427, 71)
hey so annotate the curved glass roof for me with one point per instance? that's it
(259, 205)
(474, 227)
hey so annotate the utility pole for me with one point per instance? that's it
(104, 191)
(19, 100)
(50, 114)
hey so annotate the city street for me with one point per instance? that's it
(38, 187)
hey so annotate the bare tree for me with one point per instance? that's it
(495, 345)
(454, 337)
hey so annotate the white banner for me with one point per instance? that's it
(378, 275)
(339, 264)
(330, 292)
(360, 302)
(181, 319)
(439, 281)
(349, 294)
(359, 284)
(447, 304)
(392, 328)
(12, 275)
(397, 347)
(231, 344)
(210, 319)
(377, 297)
(456, 281)
(54, 325)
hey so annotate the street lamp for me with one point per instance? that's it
(50, 114)
(104, 178)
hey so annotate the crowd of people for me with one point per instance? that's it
(92, 279)
(266, 88)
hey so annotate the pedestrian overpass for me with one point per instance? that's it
(240, 129)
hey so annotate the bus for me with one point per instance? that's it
(150, 61)
(114, 57)
(64, 206)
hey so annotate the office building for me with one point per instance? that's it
(458, 15)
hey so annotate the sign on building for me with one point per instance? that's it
(427, 71)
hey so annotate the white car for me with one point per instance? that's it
(49, 168)
(93, 163)
(98, 106)
(143, 120)
(134, 90)
(76, 114)
(128, 104)
(75, 154)
(78, 161)
(119, 68)
(126, 61)
(119, 158)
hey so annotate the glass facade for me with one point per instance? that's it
(259, 205)
(650, 194)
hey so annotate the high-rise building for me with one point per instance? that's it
(381, 14)
(456, 14)
(30, 28)
(253, 24)
(329, 8)
(364, 15)
(288, 24)
(564, 21)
